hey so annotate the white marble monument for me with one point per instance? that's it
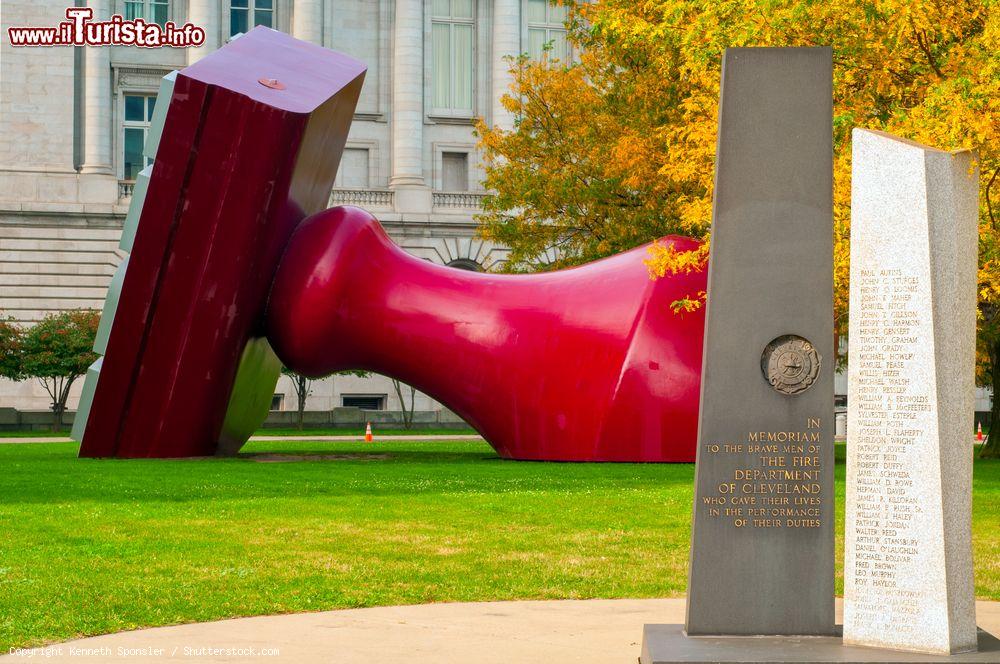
(908, 581)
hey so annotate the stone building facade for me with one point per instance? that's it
(72, 123)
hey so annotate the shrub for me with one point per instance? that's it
(57, 351)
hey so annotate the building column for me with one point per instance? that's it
(412, 195)
(506, 43)
(307, 20)
(204, 14)
(97, 96)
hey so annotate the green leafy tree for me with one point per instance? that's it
(303, 388)
(10, 349)
(407, 410)
(57, 351)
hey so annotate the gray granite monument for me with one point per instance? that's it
(762, 539)
(908, 541)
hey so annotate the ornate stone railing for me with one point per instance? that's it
(125, 188)
(361, 197)
(467, 200)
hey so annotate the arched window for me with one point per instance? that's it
(466, 264)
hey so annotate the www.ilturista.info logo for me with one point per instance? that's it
(80, 30)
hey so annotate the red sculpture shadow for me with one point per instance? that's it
(584, 364)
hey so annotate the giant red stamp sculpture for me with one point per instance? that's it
(585, 364)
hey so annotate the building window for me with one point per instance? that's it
(454, 171)
(452, 31)
(278, 402)
(154, 11)
(363, 401)
(245, 14)
(353, 171)
(547, 30)
(137, 114)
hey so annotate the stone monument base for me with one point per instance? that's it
(667, 644)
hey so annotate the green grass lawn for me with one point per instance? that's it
(94, 546)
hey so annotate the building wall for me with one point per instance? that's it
(64, 189)
(65, 184)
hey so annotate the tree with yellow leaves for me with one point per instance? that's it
(617, 148)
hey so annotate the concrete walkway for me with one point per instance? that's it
(277, 439)
(553, 632)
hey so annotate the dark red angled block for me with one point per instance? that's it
(239, 165)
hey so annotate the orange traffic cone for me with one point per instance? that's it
(368, 433)
(979, 432)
